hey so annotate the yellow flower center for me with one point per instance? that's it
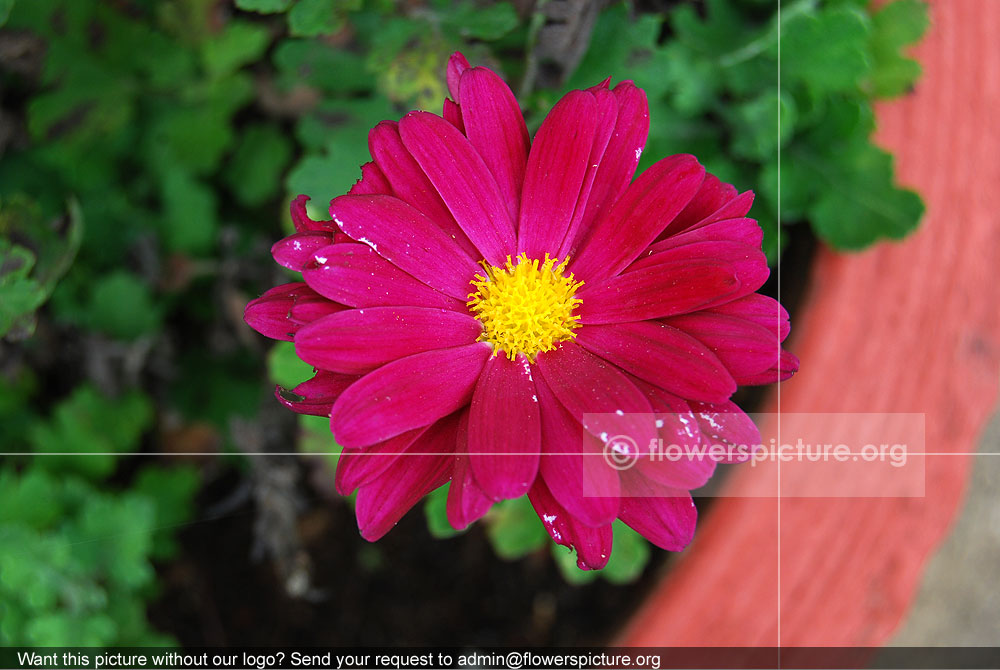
(525, 308)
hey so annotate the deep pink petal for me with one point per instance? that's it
(296, 251)
(681, 437)
(309, 308)
(664, 516)
(359, 466)
(268, 314)
(408, 393)
(787, 366)
(495, 126)
(712, 195)
(457, 64)
(408, 239)
(761, 309)
(354, 275)
(744, 347)
(726, 424)
(373, 182)
(464, 181)
(301, 219)
(504, 428)
(744, 231)
(736, 208)
(661, 355)
(452, 113)
(607, 114)
(573, 466)
(666, 289)
(410, 184)
(356, 341)
(749, 262)
(382, 502)
(315, 396)
(617, 163)
(466, 501)
(597, 394)
(557, 165)
(643, 211)
(592, 545)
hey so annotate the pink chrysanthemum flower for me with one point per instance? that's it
(477, 293)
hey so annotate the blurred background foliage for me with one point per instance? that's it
(148, 149)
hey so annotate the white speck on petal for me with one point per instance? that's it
(619, 412)
(365, 240)
(638, 152)
(659, 423)
(320, 259)
(549, 518)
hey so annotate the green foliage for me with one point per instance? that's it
(285, 368)
(514, 529)
(75, 561)
(122, 306)
(27, 281)
(76, 552)
(436, 512)
(895, 26)
(89, 423)
(714, 91)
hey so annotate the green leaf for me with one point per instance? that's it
(312, 18)
(285, 368)
(122, 306)
(30, 498)
(190, 224)
(616, 44)
(826, 51)
(172, 491)
(755, 125)
(94, 426)
(254, 172)
(630, 555)
(858, 202)
(20, 295)
(240, 43)
(315, 438)
(474, 21)
(721, 29)
(264, 6)
(895, 26)
(514, 529)
(194, 137)
(323, 178)
(436, 513)
(322, 65)
(5, 7)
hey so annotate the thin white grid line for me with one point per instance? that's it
(361, 452)
(778, 316)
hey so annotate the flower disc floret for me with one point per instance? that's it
(525, 307)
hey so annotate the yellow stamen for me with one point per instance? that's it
(525, 308)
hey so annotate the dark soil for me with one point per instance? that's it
(407, 589)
